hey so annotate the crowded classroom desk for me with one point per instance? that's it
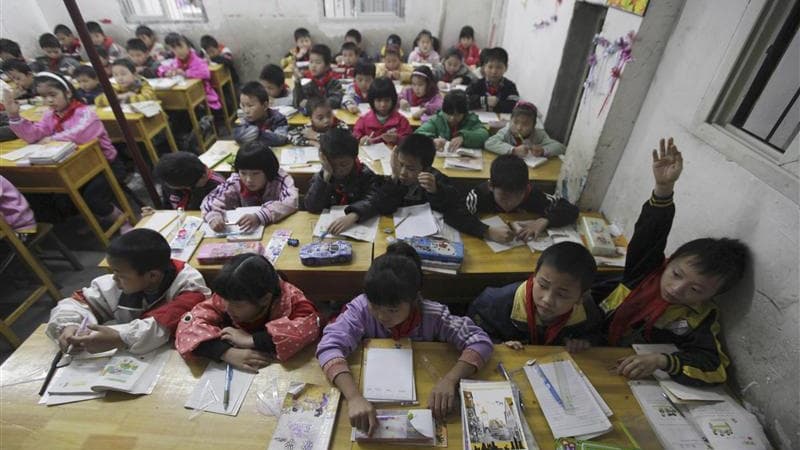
(159, 421)
(68, 177)
(186, 96)
(222, 82)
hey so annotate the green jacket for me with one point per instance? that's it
(470, 129)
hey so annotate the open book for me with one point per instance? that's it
(413, 426)
(490, 416)
(50, 153)
(299, 155)
(463, 163)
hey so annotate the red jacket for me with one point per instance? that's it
(471, 55)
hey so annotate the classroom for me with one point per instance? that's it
(378, 224)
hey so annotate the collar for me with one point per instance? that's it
(405, 328)
(247, 194)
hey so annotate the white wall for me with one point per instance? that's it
(16, 23)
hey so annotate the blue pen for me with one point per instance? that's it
(227, 394)
(549, 385)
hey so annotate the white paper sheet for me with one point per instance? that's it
(389, 375)
(414, 220)
(377, 151)
(365, 231)
(486, 116)
(534, 161)
(689, 393)
(209, 391)
(463, 163)
(160, 219)
(298, 155)
(232, 232)
(286, 110)
(497, 247)
(363, 108)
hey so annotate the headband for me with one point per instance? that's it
(418, 73)
(55, 77)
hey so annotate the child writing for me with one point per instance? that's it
(253, 318)
(185, 181)
(393, 67)
(452, 71)
(356, 92)
(15, 208)
(90, 86)
(466, 46)
(346, 66)
(186, 63)
(70, 44)
(383, 123)
(422, 93)
(669, 300)
(553, 307)
(392, 306)
(21, 74)
(493, 92)
(257, 180)
(260, 123)
(322, 120)
(424, 53)
(148, 36)
(521, 137)
(129, 87)
(301, 50)
(323, 81)
(54, 59)
(142, 301)
(455, 124)
(146, 65)
(274, 81)
(100, 40)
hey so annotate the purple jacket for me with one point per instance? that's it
(279, 200)
(430, 106)
(355, 323)
(193, 67)
(14, 207)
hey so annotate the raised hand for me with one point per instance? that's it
(667, 167)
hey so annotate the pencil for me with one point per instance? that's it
(226, 396)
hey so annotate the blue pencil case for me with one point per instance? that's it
(326, 253)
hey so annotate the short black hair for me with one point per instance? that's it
(497, 54)
(419, 146)
(392, 279)
(382, 88)
(142, 249)
(322, 50)
(365, 68)
(62, 29)
(272, 73)
(248, 277)
(570, 258)
(723, 257)
(316, 101)
(353, 33)
(94, 27)
(65, 87)
(301, 33)
(174, 39)
(256, 90)
(84, 70)
(125, 62)
(49, 40)
(455, 102)
(467, 32)
(400, 247)
(337, 143)
(179, 169)
(136, 44)
(452, 52)
(393, 39)
(509, 173)
(144, 30)
(351, 46)
(11, 47)
(16, 65)
(256, 155)
(392, 50)
(207, 41)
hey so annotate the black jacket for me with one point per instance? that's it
(392, 194)
(324, 194)
(507, 95)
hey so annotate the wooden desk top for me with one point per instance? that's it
(547, 172)
(10, 146)
(231, 148)
(105, 114)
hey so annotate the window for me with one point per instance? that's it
(153, 11)
(348, 9)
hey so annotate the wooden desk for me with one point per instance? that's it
(223, 83)
(68, 177)
(187, 96)
(350, 118)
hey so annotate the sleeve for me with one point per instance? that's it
(203, 323)
(551, 146)
(646, 247)
(474, 134)
(464, 217)
(145, 93)
(506, 105)
(292, 333)
(429, 128)
(319, 193)
(220, 199)
(296, 137)
(198, 69)
(165, 67)
(340, 338)
(68, 311)
(388, 197)
(275, 137)
(88, 124)
(434, 105)
(700, 360)
(32, 131)
(142, 335)
(475, 345)
(365, 207)
(150, 71)
(360, 128)
(446, 196)
(558, 211)
(591, 329)
(245, 132)
(286, 203)
(335, 94)
(476, 95)
(169, 314)
(498, 143)
(213, 349)
(404, 128)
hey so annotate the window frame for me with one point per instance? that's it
(354, 7)
(131, 17)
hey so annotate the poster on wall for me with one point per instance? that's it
(637, 7)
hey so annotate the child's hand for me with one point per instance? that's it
(246, 359)
(66, 334)
(442, 399)
(418, 114)
(456, 143)
(248, 222)
(103, 339)
(353, 108)
(427, 181)
(441, 85)
(390, 136)
(236, 337)
(456, 81)
(667, 167)
(362, 414)
(217, 224)
(576, 345)
(343, 223)
(641, 366)
(521, 151)
(439, 143)
(10, 103)
(532, 229)
(537, 150)
(491, 101)
(514, 345)
(404, 105)
(147, 211)
(364, 140)
(499, 234)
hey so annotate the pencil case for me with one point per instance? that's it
(326, 253)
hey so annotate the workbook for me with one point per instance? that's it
(291, 156)
(232, 232)
(148, 108)
(388, 371)
(209, 392)
(463, 163)
(413, 221)
(413, 426)
(307, 417)
(490, 416)
(364, 231)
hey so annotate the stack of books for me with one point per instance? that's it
(51, 153)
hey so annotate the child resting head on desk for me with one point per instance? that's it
(383, 123)
(521, 137)
(392, 307)
(356, 92)
(456, 124)
(257, 180)
(253, 318)
(54, 58)
(553, 307)
(322, 120)
(185, 181)
(144, 297)
(130, 87)
(258, 121)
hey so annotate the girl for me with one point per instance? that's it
(155, 48)
(186, 63)
(258, 180)
(130, 87)
(14, 208)
(521, 137)
(424, 52)
(393, 67)
(452, 72)
(68, 119)
(253, 318)
(392, 307)
(259, 122)
(382, 123)
(466, 46)
(422, 93)
(322, 120)
(455, 123)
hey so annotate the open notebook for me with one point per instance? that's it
(365, 231)
(208, 393)
(232, 232)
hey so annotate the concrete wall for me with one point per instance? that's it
(16, 25)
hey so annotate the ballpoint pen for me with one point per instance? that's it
(226, 396)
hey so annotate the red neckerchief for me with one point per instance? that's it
(492, 90)
(53, 63)
(552, 330)
(644, 303)
(528, 191)
(407, 326)
(107, 42)
(416, 101)
(359, 93)
(67, 114)
(74, 46)
(322, 81)
(245, 193)
(447, 77)
(344, 199)
(184, 64)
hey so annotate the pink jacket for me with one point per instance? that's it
(81, 128)
(14, 207)
(279, 200)
(430, 105)
(193, 67)
(368, 124)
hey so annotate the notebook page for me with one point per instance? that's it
(389, 374)
(364, 231)
(496, 221)
(414, 220)
(209, 391)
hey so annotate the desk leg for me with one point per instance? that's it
(168, 131)
(213, 137)
(148, 144)
(224, 102)
(123, 201)
(83, 208)
(198, 133)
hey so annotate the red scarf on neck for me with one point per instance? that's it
(416, 101)
(528, 191)
(344, 199)
(447, 77)
(245, 193)
(322, 81)
(359, 93)
(53, 63)
(107, 42)
(552, 330)
(493, 90)
(183, 64)
(407, 326)
(644, 303)
(66, 114)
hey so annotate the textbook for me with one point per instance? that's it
(490, 416)
(306, 419)
(51, 153)
(149, 108)
(388, 371)
(219, 252)
(413, 426)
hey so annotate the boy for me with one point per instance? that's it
(274, 81)
(521, 137)
(70, 44)
(300, 52)
(99, 39)
(356, 92)
(354, 36)
(553, 307)
(22, 76)
(343, 180)
(259, 121)
(455, 124)
(662, 300)
(185, 181)
(323, 81)
(90, 87)
(493, 92)
(10, 50)
(346, 67)
(219, 54)
(393, 67)
(510, 190)
(322, 120)
(146, 66)
(54, 59)
(145, 298)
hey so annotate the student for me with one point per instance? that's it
(354, 36)
(669, 300)
(452, 71)
(274, 81)
(253, 318)
(349, 58)
(455, 124)
(383, 123)
(15, 208)
(323, 81)
(553, 306)
(393, 67)
(185, 181)
(142, 300)
(343, 180)
(322, 120)
(257, 180)
(260, 122)
(90, 86)
(301, 50)
(220, 54)
(146, 65)
(392, 41)
(392, 306)
(68, 119)
(70, 44)
(100, 40)
(10, 50)
(148, 36)
(356, 92)
(509, 190)
(21, 74)
(466, 46)
(521, 137)
(54, 59)
(493, 92)
(424, 53)
(186, 63)
(129, 87)
(422, 93)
